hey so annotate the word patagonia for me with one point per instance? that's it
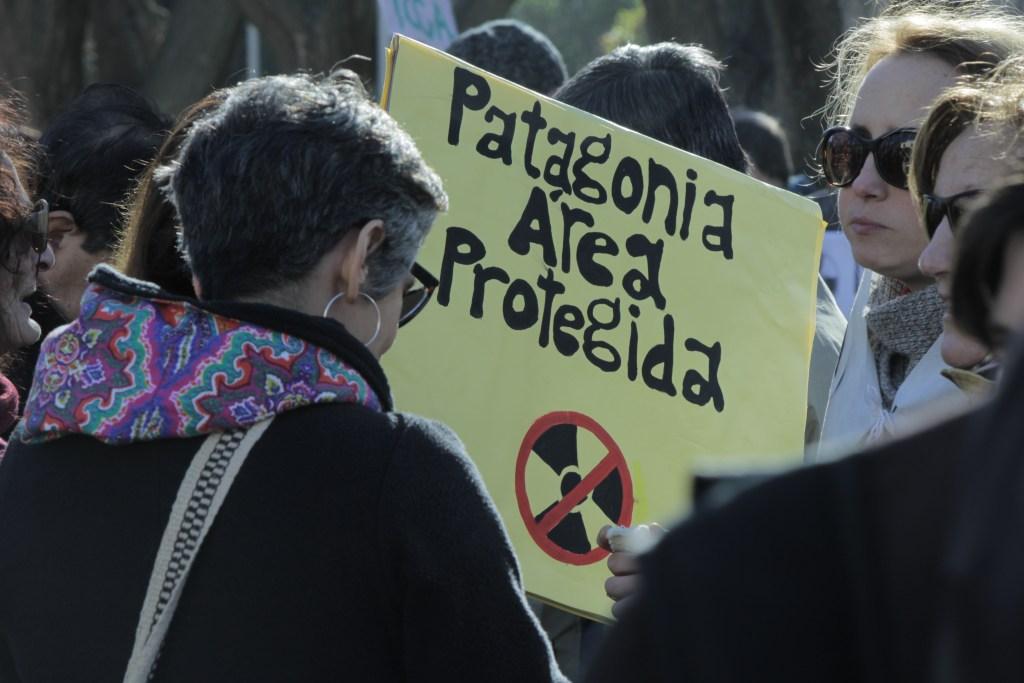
(567, 170)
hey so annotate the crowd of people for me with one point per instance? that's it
(193, 314)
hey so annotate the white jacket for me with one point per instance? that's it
(855, 415)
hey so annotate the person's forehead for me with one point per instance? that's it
(974, 160)
(898, 90)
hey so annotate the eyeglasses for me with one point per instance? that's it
(842, 154)
(416, 298)
(35, 226)
(937, 208)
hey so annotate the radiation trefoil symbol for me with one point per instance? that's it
(571, 479)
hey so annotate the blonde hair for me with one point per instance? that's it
(973, 36)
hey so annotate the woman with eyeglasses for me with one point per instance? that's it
(24, 251)
(886, 73)
(346, 540)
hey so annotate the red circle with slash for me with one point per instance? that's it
(611, 463)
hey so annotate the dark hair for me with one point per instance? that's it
(515, 51)
(666, 91)
(93, 152)
(981, 248)
(273, 179)
(147, 246)
(764, 141)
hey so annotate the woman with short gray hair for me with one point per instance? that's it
(351, 542)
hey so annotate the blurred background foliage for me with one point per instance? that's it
(176, 51)
(584, 29)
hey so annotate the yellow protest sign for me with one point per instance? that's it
(610, 309)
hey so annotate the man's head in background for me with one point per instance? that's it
(666, 91)
(93, 153)
(515, 51)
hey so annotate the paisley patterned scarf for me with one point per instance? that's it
(137, 368)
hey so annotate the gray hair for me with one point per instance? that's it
(275, 177)
(666, 91)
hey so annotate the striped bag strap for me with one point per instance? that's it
(202, 492)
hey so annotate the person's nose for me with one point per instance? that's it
(868, 184)
(45, 260)
(937, 258)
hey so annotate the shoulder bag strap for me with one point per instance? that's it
(202, 491)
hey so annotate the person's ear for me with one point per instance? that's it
(353, 264)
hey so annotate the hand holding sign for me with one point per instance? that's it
(626, 544)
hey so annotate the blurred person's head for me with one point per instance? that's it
(886, 72)
(147, 248)
(93, 153)
(301, 192)
(666, 91)
(513, 50)
(765, 142)
(24, 250)
(988, 283)
(969, 141)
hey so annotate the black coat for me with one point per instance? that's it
(354, 545)
(830, 573)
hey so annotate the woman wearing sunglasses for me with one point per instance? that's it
(968, 143)
(24, 251)
(887, 72)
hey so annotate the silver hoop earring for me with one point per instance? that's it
(376, 309)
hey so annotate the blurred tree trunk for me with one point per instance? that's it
(199, 34)
(41, 51)
(770, 48)
(316, 34)
(50, 49)
(127, 35)
(470, 13)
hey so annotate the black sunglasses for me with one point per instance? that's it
(842, 153)
(937, 208)
(35, 226)
(417, 297)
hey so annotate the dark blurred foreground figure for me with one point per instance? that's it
(901, 564)
(515, 51)
(351, 542)
(981, 608)
(982, 604)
